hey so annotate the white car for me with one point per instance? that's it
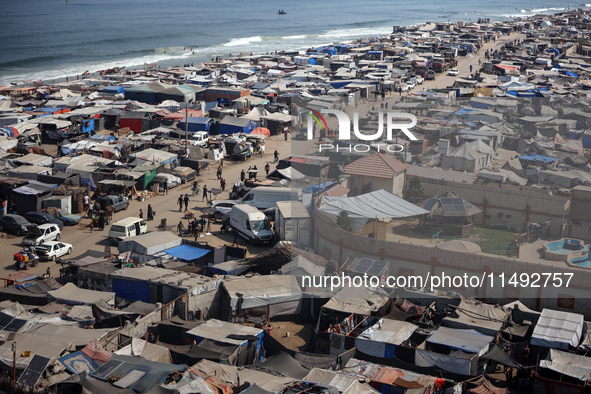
(171, 180)
(51, 250)
(200, 138)
(411, 85)
(222, 207)
(454, 72)
(40, 234)
(419, 79)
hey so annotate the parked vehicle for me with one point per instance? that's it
(68, 219)
(172, 181)
(222, 207)
(25, 258)
(186, 174)
(118, 202)
(264, 197)
(419, 79)
(200, 138)
(411, 85)
(251, 224)
(42, 218)
(127, 227)
(51, 250)
(454, 72)
(14, 224)
(430, 75)
(37, 235)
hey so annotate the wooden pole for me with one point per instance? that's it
(14, 363)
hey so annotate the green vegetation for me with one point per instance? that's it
(343, 221)
(415, 193)
(494, 240)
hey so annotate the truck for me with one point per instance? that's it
(438, 64)
(265, 197)
(292, 222)
(251, 224)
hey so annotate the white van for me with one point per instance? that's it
(265, 197)
(127, 227)
(251, 223)
(200, 138)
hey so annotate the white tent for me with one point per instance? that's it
(573, 365)
(379, 204)
(558, 330)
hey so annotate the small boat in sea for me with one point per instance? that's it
(66, 2)
(282, 12)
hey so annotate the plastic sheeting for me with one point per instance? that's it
(379, 204)
(467, 340)
(187, 252)
(558, 330)
(260, 291)
(462, 366)
(573, 365)
(377, 340)
(485, 318)
(72, 294)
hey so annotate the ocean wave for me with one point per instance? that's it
(243, 41)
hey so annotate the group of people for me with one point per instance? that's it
(151, 213)
(184, 200)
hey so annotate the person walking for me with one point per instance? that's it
(180, 228)
(223, 184)
(235, 242)
(141, 215)
(242, 175)
(180, 202)
(276, 155)
(165, 187)
(208, 225)
(219, 172)
(90, 209)
(194, 189)
(285, 135)
(101, 222)
(86, 202)
(186, 199)
(204, 193)
(150, 213)
(267, 168)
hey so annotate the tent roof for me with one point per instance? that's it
(558, 330)
(379, 204)
(469, 341)
(485, 318)
(72, 294)
(359, 300)
(458, 245)
(222, 331)
(390, 331)
(283, 364)
(187, 252)
(573, 365)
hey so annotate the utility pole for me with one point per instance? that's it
(14, 363)
(186, 127)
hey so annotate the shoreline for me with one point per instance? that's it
(180, 59)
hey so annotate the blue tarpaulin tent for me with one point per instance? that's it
(538, 158)
(196, 124)
(114, 89)
(187, 252)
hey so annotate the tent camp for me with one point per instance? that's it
(469, 341)
(233, 125)
(558, 330)
(573, 365)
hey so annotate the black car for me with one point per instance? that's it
(43, 218)
(15, 224)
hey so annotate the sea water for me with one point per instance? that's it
(51, 39)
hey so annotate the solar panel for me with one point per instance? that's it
(15, 325)
(34, 370)
(104, 371)
(430, 204)
(5, 320)
(369, 267)
(452, 205)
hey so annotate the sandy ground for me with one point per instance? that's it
(164, 205)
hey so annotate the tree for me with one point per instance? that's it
(343, 221)
(415, 192)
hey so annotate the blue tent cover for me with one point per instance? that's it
(187, 252)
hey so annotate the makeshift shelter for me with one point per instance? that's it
(195, 124)
(465, 158)
(343, 382)
(73, 295)
(451, 213)
(469, 341)
(569, 364)
(283, 364)
(379, 204)
(381, 339)
(558, 330)
(272, 295)
(233, 125)
(30, 197)
(484, 318)
(248, 339)
(150, 243)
